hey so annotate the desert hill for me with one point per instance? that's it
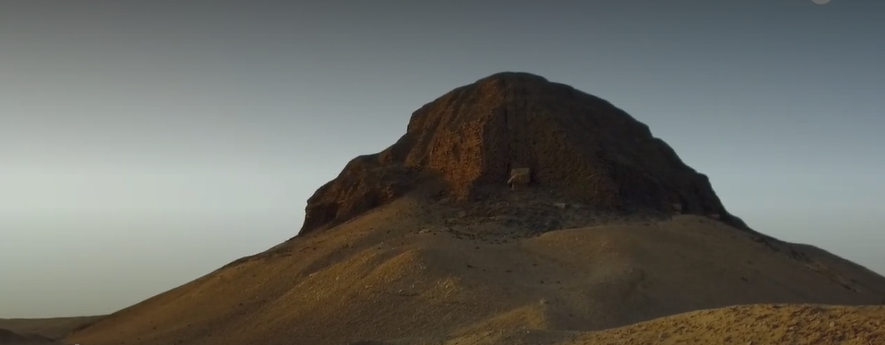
(411, 247)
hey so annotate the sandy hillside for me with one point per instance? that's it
(397, 275)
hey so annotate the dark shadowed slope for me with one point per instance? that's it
(52, 328)
(8, 337)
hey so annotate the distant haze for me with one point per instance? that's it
(145, 144)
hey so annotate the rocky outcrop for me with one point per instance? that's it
(574, 144)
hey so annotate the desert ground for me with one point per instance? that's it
(746, 324)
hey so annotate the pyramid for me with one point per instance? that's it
(425, 243)
(578, 146)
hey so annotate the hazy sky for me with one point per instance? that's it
(143, 144)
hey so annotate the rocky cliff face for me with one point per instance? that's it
(576, 145)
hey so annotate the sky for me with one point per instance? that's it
(145, 144)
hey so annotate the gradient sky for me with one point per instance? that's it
(144, 144)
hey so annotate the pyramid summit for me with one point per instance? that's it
(574, 144)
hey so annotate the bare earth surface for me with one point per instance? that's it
(396, 275)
